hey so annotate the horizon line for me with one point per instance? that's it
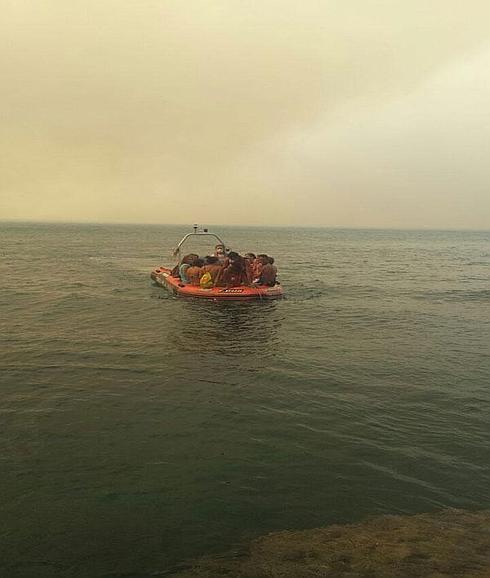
(256, 226)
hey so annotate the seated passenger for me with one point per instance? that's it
(235, 273)
(271, 261)
(220, 253)
(258, 266)
(213, 267)
(187, 261)
(250, 259)
(194, 272)
(268, 271)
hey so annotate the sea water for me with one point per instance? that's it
(139, 430)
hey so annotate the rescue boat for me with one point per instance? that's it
(162, 276)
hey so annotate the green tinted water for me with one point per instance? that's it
(139, 430)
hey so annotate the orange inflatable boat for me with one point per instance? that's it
(162, 276)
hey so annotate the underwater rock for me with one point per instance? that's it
(436, 545)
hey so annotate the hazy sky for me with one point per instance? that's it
(333, 112)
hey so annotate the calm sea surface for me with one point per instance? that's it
(138, 430)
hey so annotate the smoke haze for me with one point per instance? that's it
(329, 113)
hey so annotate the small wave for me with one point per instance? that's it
(121, 289)
(334, 291)
(306, 294)
(455, 295)
(76, 284)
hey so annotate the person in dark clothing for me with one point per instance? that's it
(235, 271)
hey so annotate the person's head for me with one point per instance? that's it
(198, 262)
(233, 256)
(250, 256)
(271, 260)
(263, 258)
(211, 260)
(188, 259)
(219, 250)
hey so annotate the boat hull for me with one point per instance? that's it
(162, 277)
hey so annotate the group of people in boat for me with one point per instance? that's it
(226, 269)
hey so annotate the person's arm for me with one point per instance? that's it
(182, 271)
(248, 273)
(218, 279)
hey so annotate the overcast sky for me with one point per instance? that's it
(349, 113)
